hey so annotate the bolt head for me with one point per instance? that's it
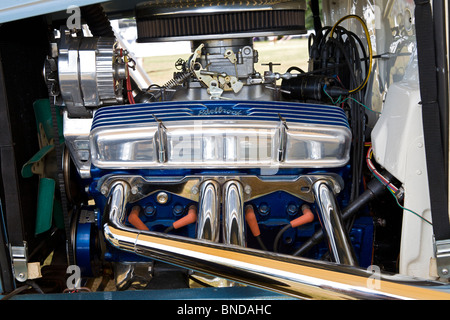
(264, 209)
(162, 198)
(292, 209)
(178, 210)
(149, 211)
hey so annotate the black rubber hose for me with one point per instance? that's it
(374, 189)
(278, 237)
(16, 291)
(100, 26)
(316, 18)
(261, 243)
(168, 229)
(28, 285)
(97, 20)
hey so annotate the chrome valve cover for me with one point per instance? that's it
(219, 134)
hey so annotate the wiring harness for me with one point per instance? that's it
(342, 54)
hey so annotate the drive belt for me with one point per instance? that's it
(53, 93)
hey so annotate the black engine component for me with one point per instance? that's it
(207, 19)
(312, 87)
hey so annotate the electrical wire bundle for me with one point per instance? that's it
(396, 192)
(342, 54)
(128, 82)
(392, 188)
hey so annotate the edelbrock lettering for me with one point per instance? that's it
(220, 110)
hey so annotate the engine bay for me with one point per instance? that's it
(224, 172)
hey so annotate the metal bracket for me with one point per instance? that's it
(254, 186)
(283, 139)
(19, 255)
(442, 250)
(161, 140)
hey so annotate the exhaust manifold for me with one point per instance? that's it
(289, 275)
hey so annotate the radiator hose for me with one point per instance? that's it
(97, 20)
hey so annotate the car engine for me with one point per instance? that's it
(140, 185)
(220, 152)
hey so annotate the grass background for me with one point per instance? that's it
(287, 53)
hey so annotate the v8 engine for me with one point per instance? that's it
(220, 153)
(225, 175)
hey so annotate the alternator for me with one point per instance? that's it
(89, 73)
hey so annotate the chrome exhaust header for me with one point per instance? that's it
(330, 218)
(289, 275)
(208, 225)
(233, 214)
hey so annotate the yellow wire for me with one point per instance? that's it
(366, 31)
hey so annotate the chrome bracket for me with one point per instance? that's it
(283, 139)
(19, 256)
(442, 251)
(161, 140)
(254, 186)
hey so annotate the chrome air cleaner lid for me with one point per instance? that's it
(207, 20)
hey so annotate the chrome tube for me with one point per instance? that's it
(208, 225)
(330, 218)
(116, 206)
(289, 275)
(233, 214)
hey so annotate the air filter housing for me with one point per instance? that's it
(206, 20)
